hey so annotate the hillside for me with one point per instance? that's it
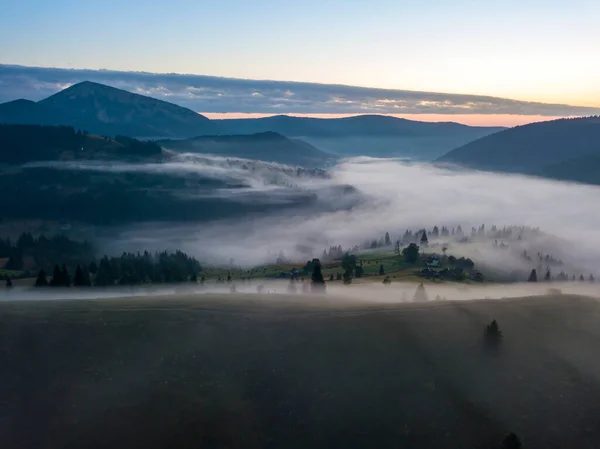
(290, 371)
(265, 146)
(30, 143)
(106, 110)
(535, 149)
(360, 125)
(584, 169)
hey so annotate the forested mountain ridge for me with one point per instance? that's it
(542, 148)
(267, 146)
(29, 143)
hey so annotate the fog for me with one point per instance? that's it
(356, 294)
(394, 196)
(388, 195)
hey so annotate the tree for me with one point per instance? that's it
(347, 278)
(66, 279)
(411, 253)
(80, 279)
(9, 283)
(387, 281)
(348, 262)
(338, 276)
(41, 280)
(397, 247)
(93, 268)
(420, 294)
(202, 280)
(358, 271)
(331, 277)
(492, 335)
(317, 280)
(381, 270)
(548, 276)
(56, 277)
(436, 232)
(424, 240)
(388, 242)
(194, 278)
(512, 441)
(532, 276)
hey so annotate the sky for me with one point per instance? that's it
(528, 50)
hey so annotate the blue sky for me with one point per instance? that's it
(530, 50)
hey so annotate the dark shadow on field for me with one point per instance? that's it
(223, 373)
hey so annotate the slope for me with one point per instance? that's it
(530, 148)
(266, 146)
(584, 169)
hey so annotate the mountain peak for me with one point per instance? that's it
(108, 110)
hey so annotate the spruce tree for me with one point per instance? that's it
(512, 441)
(420, 294)
(381, 270)
(9, 283)
(317, 280)
(548, 276)
(79, 279)
(532, 276)
(388, 242)
(347, 278)
(56, 277)
(424, 240)
(41, 280)
(66, 279)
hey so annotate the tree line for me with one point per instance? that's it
(42, 251)
(127, 269)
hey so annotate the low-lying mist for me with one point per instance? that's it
(396, 196)
(363, 198)
(366, 293)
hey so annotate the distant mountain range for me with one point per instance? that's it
(108, 111)
(267, 146)
(566, 149)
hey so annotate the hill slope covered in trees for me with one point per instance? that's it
(267, 146)
(550, 148)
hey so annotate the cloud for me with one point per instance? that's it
(396, 196)
(217, 94)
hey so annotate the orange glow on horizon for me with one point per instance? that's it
(507, 120)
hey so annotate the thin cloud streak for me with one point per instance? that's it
(226, 95)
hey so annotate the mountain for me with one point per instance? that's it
(24, 112)
(370, 135)
(538, 148)
(360, 125)
(266, 146)
(106, 110)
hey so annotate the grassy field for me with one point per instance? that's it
(394, 266)
(240, 371)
